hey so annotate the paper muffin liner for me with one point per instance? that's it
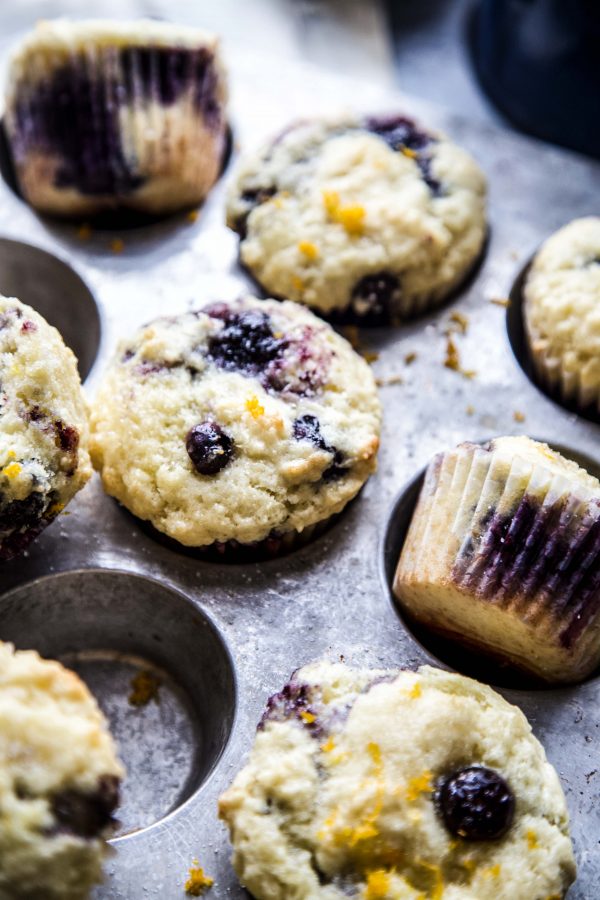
(102, 126)
(503, 553)
(574, 382)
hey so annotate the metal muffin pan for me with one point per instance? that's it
(99, 592)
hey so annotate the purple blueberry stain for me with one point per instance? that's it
(294, 701)
(308, 428)
(75, 114)
(251, 198)
(21, 521)
(402, 133)
(209, 447)
(246, 343)
(475, 803)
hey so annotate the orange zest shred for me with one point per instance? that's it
(378, 885)
(197, 882)
(12, 470)
(493, 871)
(415, 691)
(308, 249)
(352, 218)
(307, 717)
(420, 784)
(532, 841)
(297, 283)
(328, 746)
(254, 407)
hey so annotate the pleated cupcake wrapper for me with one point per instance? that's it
(514, 534)
(128, 127)
(574, 388)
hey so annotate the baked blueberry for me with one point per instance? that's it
(43, 427)
(476, 804)
(260, 391)
(374, 219)
(344, 765)
(209, 448)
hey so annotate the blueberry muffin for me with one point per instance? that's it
(503, 553)
(562, 314)
(237, 424)
(59, 781)
(44, 458)
(375, 219)
(103, 114)
(380, 785)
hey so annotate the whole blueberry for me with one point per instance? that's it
(208, 447)
(476, 803)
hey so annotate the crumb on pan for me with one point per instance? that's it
(387, 382)
(117, 245)
(518, 416)
(84, 232)
(144, 688)
(197, 882)
(459, 323)
(500, 301)
(452, 360)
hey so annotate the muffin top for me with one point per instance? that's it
(562, 297)
(236, 421)
(373, 215)
(382, 784)
(59, 784)
(44, 459)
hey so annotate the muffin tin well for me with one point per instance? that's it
(330, 597)
(515, 324)
(443, 650)
(113, 628)
(56, 291)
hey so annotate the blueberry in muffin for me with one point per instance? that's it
(380, 784)
(44, 458)
(59, 781)
(371, 218)
(239, 423)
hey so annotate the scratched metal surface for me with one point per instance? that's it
(330, 597)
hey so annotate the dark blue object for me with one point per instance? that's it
(539, 61)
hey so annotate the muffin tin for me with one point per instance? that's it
(98, 591)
